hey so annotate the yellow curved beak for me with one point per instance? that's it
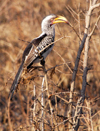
(60, 19)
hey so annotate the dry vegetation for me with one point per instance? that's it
(21, 20)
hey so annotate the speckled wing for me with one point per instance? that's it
(33, 53)
(30, 53)
(42, 50)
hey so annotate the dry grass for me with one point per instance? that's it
(21, 20)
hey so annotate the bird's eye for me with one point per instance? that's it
(51, 19)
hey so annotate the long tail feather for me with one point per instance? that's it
(15, 82)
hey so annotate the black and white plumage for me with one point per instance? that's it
(38, 47)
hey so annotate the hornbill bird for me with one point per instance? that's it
(39, 47)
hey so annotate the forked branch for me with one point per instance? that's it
(80, 102)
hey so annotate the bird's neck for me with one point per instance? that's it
(49, 31)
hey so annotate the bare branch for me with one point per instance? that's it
(94, 26)
(94, 2)
(88, 17)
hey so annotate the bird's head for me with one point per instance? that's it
(50, 20)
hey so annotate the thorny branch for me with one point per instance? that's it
(80, 102)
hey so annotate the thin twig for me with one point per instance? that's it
(71, 12)
(53, 120)
(42, 103)
(94, 26)
(63, 60)
(9, 118)
(75, 31)
(34, 92)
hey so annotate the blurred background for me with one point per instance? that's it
(20, 22)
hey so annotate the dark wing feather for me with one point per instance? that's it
(34, 42)
(15, 82)
(38, 40)
(43, 48)
(30, 54)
